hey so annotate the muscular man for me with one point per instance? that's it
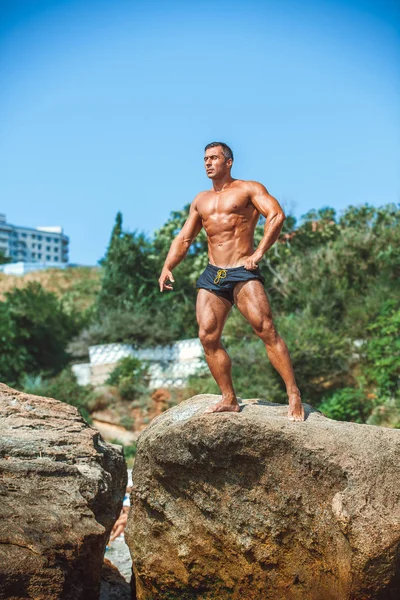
(229, 213)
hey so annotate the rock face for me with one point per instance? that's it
(249, 506)
(61, 489)
(113, 585)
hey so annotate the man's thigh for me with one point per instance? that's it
(211, 311)
(252, 301)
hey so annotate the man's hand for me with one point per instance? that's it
(251, 263)
(166, 275)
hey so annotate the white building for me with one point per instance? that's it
(33, 245)
(21, 268)
(169, 366)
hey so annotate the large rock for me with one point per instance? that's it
(250, 506)
(61, 489)
(113, 585)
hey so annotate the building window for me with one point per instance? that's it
(33, 254)
(33, 245)
(56, 259)
(39, 237)
(48, 248)
(39, 246)
(48, 239)
(23, 234)
(33, 236)
(39, 255)
(47, 257)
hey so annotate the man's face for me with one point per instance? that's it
(215, 163)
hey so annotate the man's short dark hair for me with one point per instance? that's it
(226, 151)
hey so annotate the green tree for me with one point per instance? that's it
(327, 279)
(13, 356)
(130, 285)
(178, 305)
(4, 259)
(129, 279)
(38, 324)
(381, 367)
(330, 278)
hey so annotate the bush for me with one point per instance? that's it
(102, 397)
(320, 356)
(387, 413)
(141, 327)
(130, 450)
(63, 387)
(143, 401)
(347, 404)
(130, 376)
(382, 353)
(37, 323)
(14, 358)
(127, 422)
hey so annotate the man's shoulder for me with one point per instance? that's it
(247, 183)
(201, 195)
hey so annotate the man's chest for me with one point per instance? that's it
(224, 203)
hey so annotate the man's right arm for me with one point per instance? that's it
(180, 246)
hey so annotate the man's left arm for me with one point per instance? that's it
(270, 208)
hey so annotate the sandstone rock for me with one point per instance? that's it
(61, 489)
(250, 506)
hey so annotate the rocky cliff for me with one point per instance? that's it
(61, 489)
(250, 506)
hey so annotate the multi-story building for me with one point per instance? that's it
(28, 244)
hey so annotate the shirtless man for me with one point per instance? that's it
(229, 213)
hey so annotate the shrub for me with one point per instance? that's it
(387, 413)
(130, 450)
(102, 397)
(63, 387)
(130, 376)
(41, 326)
(382, 352)
(347, 404)
(127, 422)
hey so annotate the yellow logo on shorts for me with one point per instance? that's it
(220, 275)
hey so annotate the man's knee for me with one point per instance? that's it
(209, 338)
(266, 330)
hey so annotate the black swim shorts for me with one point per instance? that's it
(222, 281)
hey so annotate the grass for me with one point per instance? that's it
(77, 286)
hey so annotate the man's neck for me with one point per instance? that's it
(221, 184)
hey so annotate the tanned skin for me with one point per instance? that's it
(229, 213)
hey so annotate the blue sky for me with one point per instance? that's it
(107, 106)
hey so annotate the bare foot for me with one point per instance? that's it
(296, 409)
(224, 406)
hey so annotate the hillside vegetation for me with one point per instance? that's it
(77, 286)
(334, 285)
